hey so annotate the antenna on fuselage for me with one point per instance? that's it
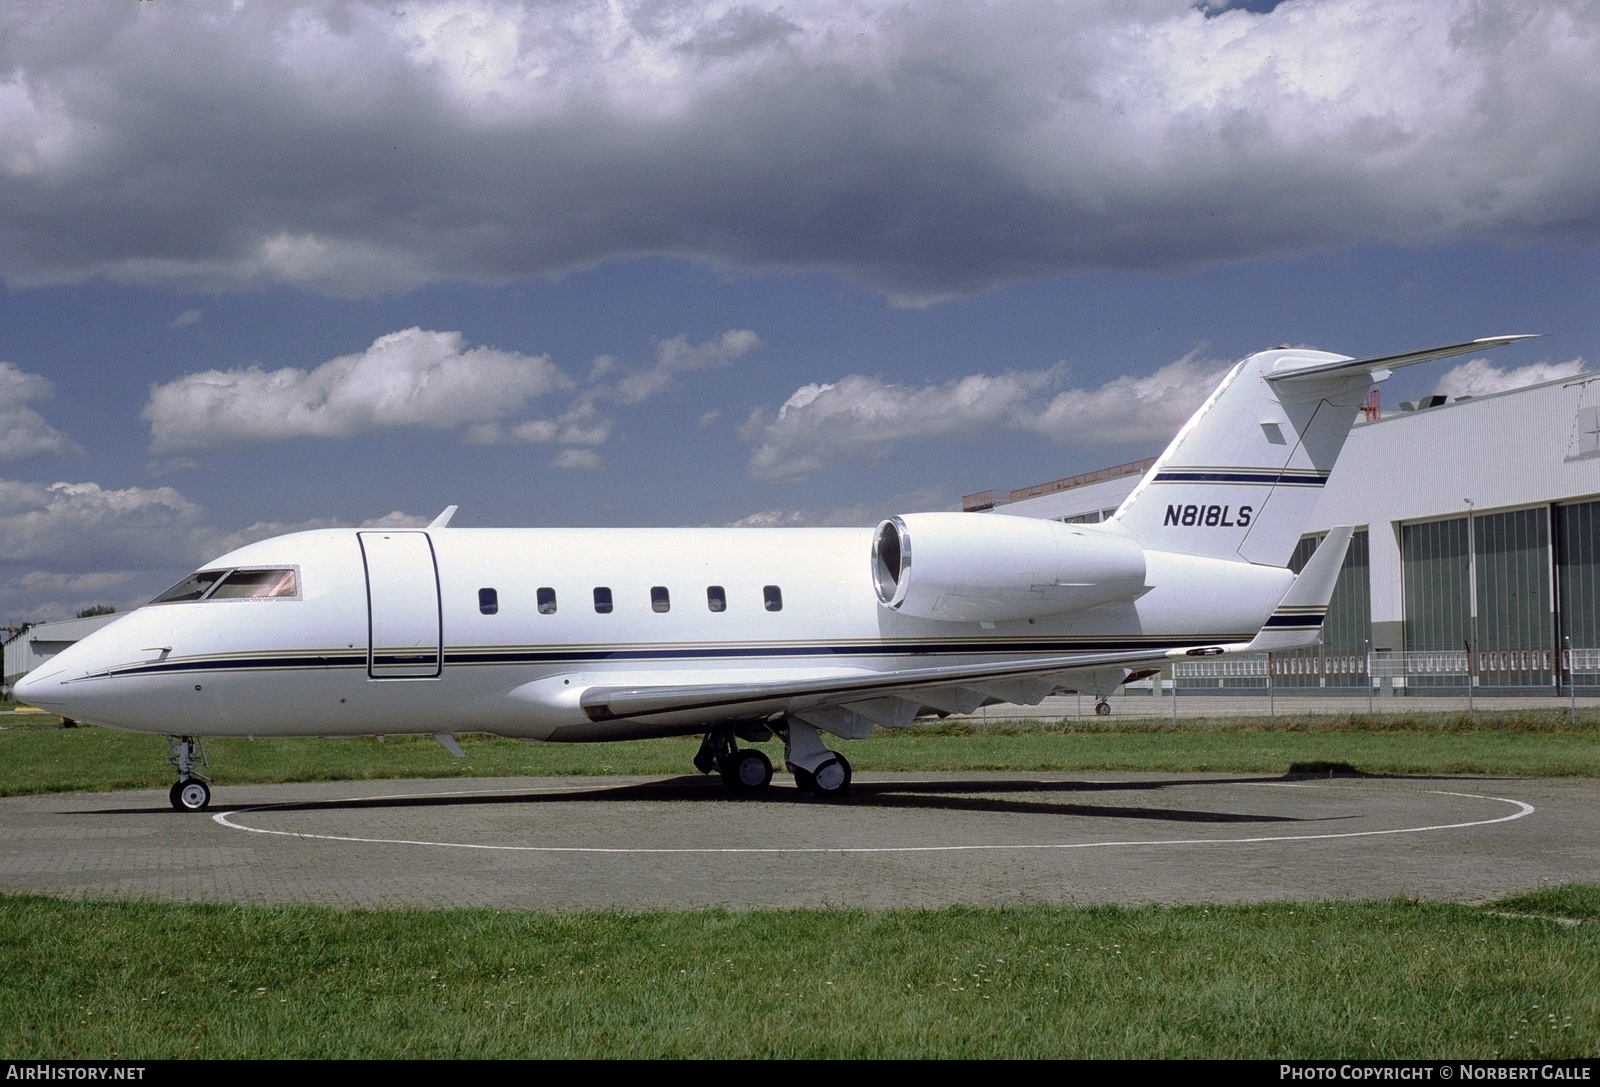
(444, 518)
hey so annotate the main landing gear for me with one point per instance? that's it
(190, 793)
(743, 769)
(816, 769)
(1102, 708)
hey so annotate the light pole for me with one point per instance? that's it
(1472, 602)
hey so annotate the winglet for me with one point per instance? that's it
(1296, 623)
(444, 518)
(1392, 362)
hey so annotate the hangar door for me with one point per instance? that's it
(404, 633)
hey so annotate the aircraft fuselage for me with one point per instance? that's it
(501, 630)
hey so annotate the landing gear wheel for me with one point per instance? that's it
(1102, 709)
(832, 775)
(190, 795)
(748, 771)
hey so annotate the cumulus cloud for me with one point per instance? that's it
(576, 458)
(855, 516)
(23, 431)
(397, 519)
(43, 595)
(1478, 377)
(73, 527)
(95, 583)
(213, 545)
(859, 515)
(1132, 409)
(355, 147)
(778, 519)
(861, 418)
(408, 378)
(411, 378)
(185, 319)
(583, 423)
(65, 546)
(217, 544)
(679, 356)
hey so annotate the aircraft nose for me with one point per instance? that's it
(33, 686)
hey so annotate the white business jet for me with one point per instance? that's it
(581, 635)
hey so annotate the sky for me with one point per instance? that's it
(271, 266)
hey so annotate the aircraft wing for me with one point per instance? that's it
(888, 698)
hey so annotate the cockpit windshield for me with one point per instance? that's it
(192, 587)
(252, 584)
(256, 583)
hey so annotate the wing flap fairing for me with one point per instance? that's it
(799, 695)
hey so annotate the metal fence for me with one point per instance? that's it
(1519, 668)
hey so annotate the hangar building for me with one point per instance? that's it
(1477, 551)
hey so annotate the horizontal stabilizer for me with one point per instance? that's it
(1392, 362)
(1296, 623)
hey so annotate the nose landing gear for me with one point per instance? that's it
(190, 795)
(191, 792)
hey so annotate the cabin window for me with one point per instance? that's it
(716, 599)
(659, 599)
(547, 601)
(488, 601)
(772, 597)
(602, 600)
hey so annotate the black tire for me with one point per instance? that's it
(191, 794)
(1102, 709)
(832, 775)
(749, 771)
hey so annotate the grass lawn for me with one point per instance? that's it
(1392, 979)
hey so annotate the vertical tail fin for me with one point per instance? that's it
(1241, 479)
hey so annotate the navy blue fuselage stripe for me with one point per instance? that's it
(1309, 479)
(1305, 621)
(570, 656)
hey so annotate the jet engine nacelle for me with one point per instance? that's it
(986, 567)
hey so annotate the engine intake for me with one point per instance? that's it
(986, 567)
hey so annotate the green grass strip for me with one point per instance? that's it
(1573, 902)
(38, 757)
(1395, 979)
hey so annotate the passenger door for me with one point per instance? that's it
(404, 633)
